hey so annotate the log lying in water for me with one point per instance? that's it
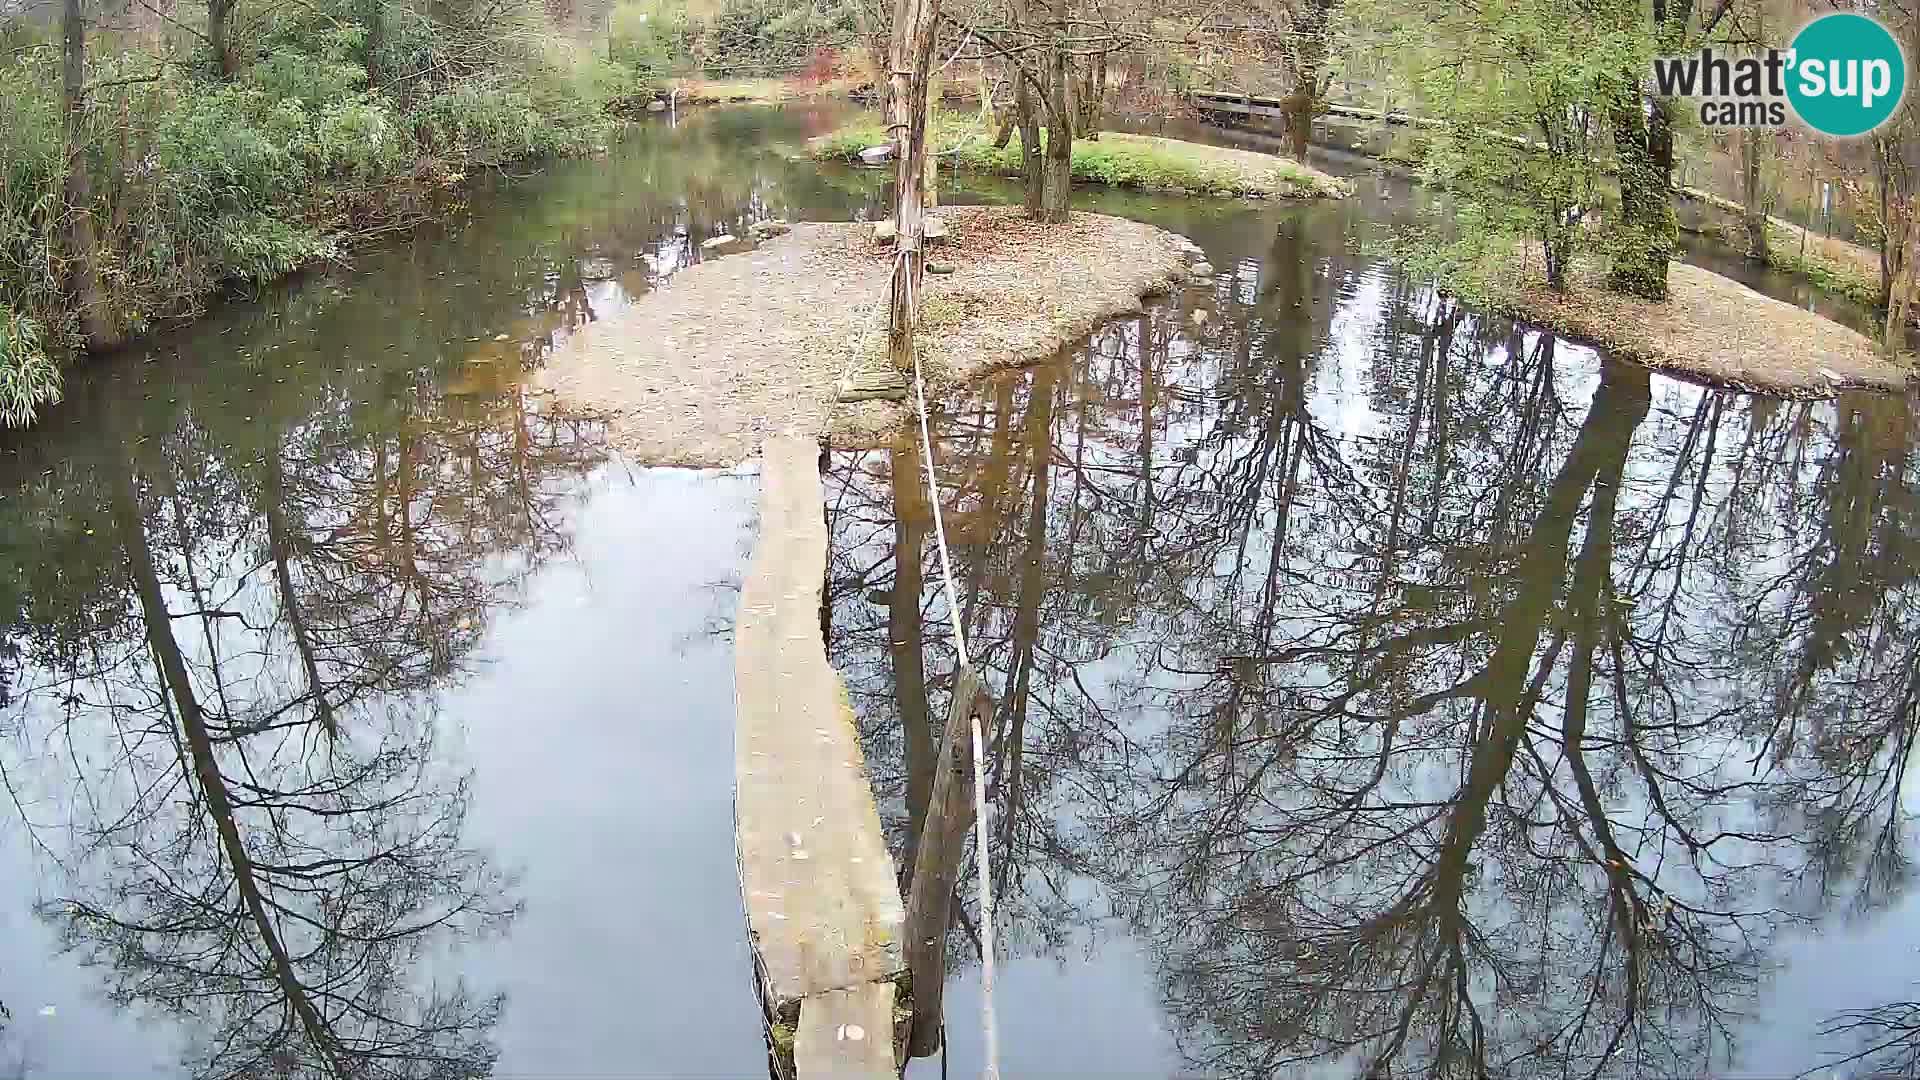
(936, 866)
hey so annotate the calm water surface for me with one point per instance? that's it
(1382, 687)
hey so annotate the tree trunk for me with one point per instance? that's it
(1900, 298)
(219, 29)
(1309, 49)
(374, 15)
(1896, 206)
(930, 195)
(82, 270)
(280, 549)
(912, 60)
(937, 859)
(1091, 99)
(1033, 176)
(1753, 214)
(1558, 242)
(278, 961)
(910, 519)
(1647, 232)
(1059, 183)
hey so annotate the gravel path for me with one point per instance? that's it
(743, 347)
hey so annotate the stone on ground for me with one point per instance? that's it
(725, 244)
(846, 1034)
(932, 228)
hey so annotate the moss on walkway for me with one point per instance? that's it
(1123, 160)
(1709, 328)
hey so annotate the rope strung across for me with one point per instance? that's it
(980, 831)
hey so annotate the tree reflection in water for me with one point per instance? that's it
(230, 745)
(1424, 693)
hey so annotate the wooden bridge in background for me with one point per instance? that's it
(1237, 103)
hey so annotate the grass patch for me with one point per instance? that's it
(1117, 159)
(1832, 265)
(1710, 327)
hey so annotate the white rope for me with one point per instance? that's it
(980, 830)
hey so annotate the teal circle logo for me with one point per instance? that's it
(1847, 74)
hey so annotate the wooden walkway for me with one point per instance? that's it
(824, 914)
(1235, 103)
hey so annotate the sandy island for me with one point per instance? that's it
(1710, 329)
(740, 348)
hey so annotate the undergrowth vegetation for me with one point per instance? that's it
(1120, 160)
(727, 38)
(227, 146)
(342, 120)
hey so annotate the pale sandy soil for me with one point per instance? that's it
(740, 348)
(1710, 328)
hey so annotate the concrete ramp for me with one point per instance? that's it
(824, 914)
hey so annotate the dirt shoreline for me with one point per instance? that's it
(740, 348)
(1710, 329)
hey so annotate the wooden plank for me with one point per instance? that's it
(936, 866)
(823, 907)
(1238, 109)
(846, 1035)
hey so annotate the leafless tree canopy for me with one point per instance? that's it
(1421, 690)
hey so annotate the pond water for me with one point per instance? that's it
(1382, 686)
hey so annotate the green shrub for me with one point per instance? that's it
(359, 139)
(343, 110)
(233, 147)
(31, 172)
(763, 36)
(28, 377)
(486, 125)
(574, 83)
(314, 81)
(649, 39)
(258, 248)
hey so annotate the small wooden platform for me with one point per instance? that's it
(824, 913)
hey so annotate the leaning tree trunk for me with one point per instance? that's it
(1647, 233)
(1059, 183)
(82, 253)
(911, 62)
(939, 855)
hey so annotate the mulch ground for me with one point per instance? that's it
(1710, 328)
(738, 348)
